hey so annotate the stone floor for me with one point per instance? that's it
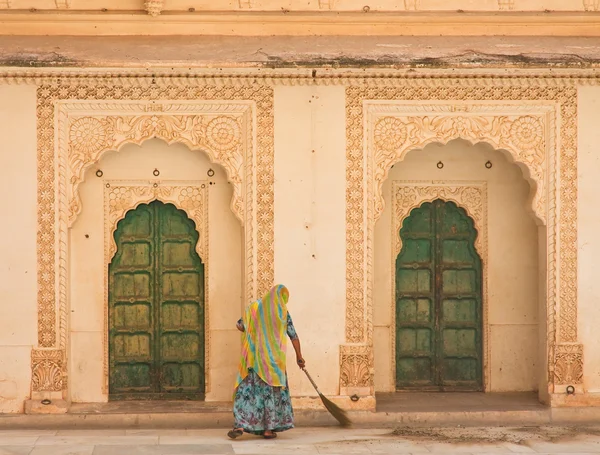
(447, 402)
(304, 441)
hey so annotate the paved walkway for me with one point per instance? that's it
(303, 441)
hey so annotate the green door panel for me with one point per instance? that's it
(438, 301)
(156, 307)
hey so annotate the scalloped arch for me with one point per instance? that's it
(525, 133)
(90, 137)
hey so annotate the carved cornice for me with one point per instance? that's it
(426, 78)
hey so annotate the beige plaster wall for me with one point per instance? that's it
(310, 243)
(86, 278)
(18, 281)
(512, 263)
(588, 218)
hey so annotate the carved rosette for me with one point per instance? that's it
(356, 366)
(568, 368)
(47, 370)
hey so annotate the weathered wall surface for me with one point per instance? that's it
(310, 247)
(588, 238)
(511, 271)
(18, 263)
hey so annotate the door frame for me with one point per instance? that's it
(470, 196)
(191, 196)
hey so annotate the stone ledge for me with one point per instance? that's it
(40, 407)
(256, 23)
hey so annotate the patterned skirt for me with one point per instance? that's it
(259, 407)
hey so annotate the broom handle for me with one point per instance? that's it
(311, 381)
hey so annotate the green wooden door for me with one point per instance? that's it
(438, 301)
(156, 307)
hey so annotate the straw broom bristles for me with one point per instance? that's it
(338, 413)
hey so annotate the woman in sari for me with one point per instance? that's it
(262, 403)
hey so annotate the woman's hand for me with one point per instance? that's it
(300, 361)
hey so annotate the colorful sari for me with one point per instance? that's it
(262, 399)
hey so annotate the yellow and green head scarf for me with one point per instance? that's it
(265, 338)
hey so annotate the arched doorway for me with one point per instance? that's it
(156, 307)
(439, 301)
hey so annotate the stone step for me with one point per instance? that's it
(218, 418)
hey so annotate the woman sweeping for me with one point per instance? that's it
(262, 403)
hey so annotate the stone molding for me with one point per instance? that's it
(472, 197)
(351, 77)
(249, 19)
(122, 196)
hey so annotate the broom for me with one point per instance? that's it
(338, 413)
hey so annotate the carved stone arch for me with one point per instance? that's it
(407, 196)
(535, 124)
(224, 130)
(526, 132)
(220, 130)
(80, 118)
(122, 196)
(470, 196)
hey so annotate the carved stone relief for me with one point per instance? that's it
(232, 124)
(356, 370)
(154, 7)
(471, 196)
(47, 368)
(569, 364)
(521, 119)
(122, 196)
